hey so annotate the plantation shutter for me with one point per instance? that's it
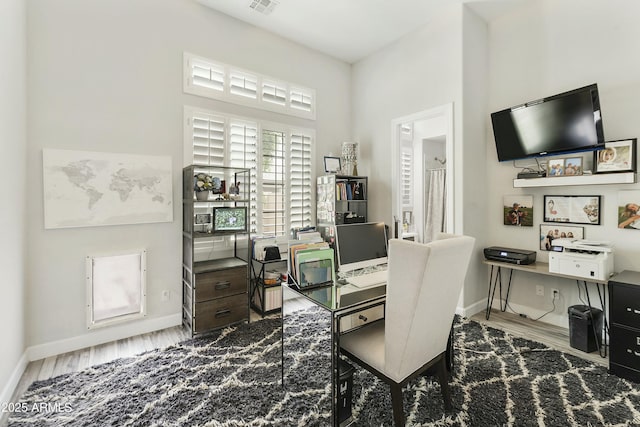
(300, 99)
(208, 134)
(406, 162)
(243, 146)
(274, 93)
(207, 75)
(243, 84)
(300, 180)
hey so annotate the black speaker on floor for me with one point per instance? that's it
(345, 391)
(582, 333)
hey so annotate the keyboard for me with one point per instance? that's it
(368, 279)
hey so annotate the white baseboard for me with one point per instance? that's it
(9, 388)
(474, 308)
(101, 336)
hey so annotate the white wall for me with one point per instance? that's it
(472, 206)
(548, 47)
(13, 176)
(107, 76)
(421, 71)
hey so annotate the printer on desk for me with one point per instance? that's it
(581, 258)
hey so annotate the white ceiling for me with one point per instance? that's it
(347, 29)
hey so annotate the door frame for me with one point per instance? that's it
(445, 112)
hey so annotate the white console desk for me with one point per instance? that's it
(495, 282)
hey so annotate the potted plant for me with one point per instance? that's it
(202, 185)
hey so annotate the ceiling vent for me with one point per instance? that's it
(263, 6)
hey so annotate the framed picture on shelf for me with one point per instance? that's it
(629, 209)
(332, 164)
(203, 218)
(573, 166)
(616, 156)
(548, 233)
(572, 209)
(518, 210)
(555, 167)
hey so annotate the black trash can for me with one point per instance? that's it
(582, 319)
(345, 391)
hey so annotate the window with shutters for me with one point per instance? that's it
(406, 161)
(212, 79)
(279, 157)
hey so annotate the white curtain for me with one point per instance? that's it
(435, 205)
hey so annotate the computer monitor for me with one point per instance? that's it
(361, 245)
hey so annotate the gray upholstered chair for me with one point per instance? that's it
(423, 288)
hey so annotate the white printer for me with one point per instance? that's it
(581, 258)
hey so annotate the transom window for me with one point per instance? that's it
(212, 79)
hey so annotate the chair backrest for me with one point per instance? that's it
(424, 284)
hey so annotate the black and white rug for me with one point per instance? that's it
(231, 378)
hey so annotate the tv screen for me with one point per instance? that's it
(229, 219)
(564, 123)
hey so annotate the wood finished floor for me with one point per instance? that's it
(553, 336)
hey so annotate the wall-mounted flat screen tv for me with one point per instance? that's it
(229, 219)
(564, 123)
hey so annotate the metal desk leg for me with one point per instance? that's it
(493, 284)
(593, 323)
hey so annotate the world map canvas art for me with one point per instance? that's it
(86, 188)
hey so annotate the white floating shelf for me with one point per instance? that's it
(555, 181)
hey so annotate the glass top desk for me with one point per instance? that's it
(312, 322)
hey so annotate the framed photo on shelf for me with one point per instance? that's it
(332, 164)
(548, 233)
(555, 167)
(203, 219)
(573, 166)
(616, 156)
(572, 209)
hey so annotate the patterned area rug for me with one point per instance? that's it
(231, 378)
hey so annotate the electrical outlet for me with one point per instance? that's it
(540, 290)
(555, 294)
(166, 295)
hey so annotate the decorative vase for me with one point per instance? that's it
(350, 158)
(202, 196)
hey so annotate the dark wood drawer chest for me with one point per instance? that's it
(624, 333)
(218, 296)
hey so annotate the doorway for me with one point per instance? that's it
(422, 171)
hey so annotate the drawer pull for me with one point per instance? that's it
(222, 313)
(636, 353)
(223, 285)
(362, 317)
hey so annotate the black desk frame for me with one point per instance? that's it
(543, 268)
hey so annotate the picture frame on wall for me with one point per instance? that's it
(616, 156)
(629, 209)
(572, 209)
(332, 164)
(549, 233)
(518, 210)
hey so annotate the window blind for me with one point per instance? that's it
(208, 139)
(406, 163)
(300, 180)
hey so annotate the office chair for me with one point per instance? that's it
(423, 288)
